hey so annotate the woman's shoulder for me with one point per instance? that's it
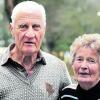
(70, 87)
(69, 92)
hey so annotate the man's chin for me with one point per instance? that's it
(29, 52)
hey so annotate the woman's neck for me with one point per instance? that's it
(87, 86)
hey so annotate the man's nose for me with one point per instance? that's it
(30, 32)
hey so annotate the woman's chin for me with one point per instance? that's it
(84, 80)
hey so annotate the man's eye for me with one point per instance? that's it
(36, 27)
(24, 26)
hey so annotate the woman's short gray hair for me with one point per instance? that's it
(28, 6)
(86, 40)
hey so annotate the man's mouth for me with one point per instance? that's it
(29, 42)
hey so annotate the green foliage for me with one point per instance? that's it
(70, 19)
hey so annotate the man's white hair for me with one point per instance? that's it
(28, 6)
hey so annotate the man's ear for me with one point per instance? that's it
(11, 29)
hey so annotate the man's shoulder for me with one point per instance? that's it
(49, 56)
(3, 69)
(4, 73)
(53, 61)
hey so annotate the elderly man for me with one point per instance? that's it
(26, 72)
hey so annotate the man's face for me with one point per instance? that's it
(28, 31)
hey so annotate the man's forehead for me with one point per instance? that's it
(27, 15)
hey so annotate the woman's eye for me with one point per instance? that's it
(79, 59)
(91, 60)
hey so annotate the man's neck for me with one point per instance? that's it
(27, 61)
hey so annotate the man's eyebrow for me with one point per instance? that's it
(36, 25)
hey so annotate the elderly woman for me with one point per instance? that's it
(85, 51)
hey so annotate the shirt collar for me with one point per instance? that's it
(40, 58)
(6, 55)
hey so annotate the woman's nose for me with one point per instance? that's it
(84, 65)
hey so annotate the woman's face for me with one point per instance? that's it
(86, 66)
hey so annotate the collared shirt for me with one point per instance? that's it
(49, 76)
